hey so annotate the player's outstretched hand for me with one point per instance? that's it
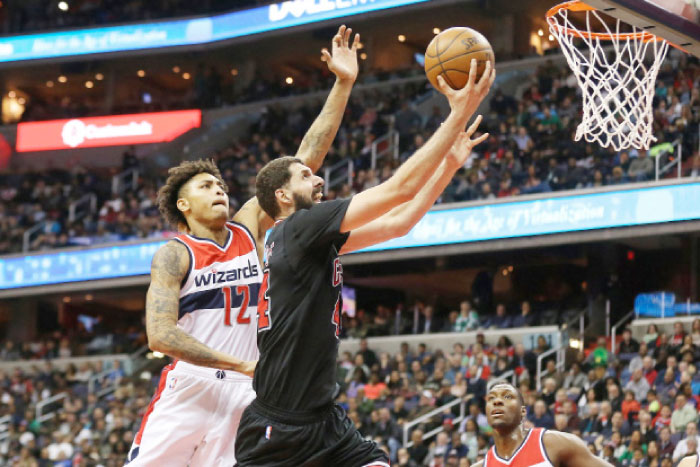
(248, 368)
(342, 61)
(463, 145)
(465, 101)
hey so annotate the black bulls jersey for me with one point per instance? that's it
(299, 309)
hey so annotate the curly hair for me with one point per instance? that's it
(273, 176)
(177, 177)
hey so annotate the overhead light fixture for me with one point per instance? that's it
(540, 32)
(21, 101)
(186, 76)
(63, 6)
(49, 84)
(62, 79)
(436, 30)
(141, 73)
(289, 80)
(176, 69)
(89, 84)
(234, 72)
(402, 38)
(363, 56)
(12, 94)
(99, 76)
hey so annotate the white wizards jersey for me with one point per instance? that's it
(219, 294)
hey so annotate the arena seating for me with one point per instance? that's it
(530, 151)
(635, 407)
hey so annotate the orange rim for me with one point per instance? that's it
(578, 5)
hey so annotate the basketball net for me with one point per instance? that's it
(617, 84)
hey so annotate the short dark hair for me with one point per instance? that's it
(177, 177)
(272, 177)
(506, 383)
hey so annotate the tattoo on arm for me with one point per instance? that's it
(169, 266)
(318, 139)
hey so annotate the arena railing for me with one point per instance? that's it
(121, 183)
(387, 145)
(559, 352)
(677, 149)
(40, 416)
(462, 402)
(616, 326)
(334, 175)
(28, 234)
(82, 207)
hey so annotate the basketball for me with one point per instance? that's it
(450, 54)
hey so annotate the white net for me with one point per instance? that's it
(616, 72)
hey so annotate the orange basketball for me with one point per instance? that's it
(450, 54)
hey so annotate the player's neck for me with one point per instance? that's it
(508, 443)
(217, 233)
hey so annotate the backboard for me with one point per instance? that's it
(677, 21)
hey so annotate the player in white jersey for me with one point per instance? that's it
(202, 302)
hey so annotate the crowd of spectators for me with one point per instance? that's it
(530, 150)
(41, 15)
(638, 407)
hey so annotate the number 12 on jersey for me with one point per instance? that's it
(242, 291)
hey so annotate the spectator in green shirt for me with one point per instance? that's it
(683, 414)
(468, 318)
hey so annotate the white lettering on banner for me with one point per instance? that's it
(6, 49)
(487, 221)
(88, 41)
(75, 132)
(298, 8)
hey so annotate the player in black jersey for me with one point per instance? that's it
(293, 421)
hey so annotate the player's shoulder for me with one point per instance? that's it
(172, 258)
(558, 445)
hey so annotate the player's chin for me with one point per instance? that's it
(318, 197)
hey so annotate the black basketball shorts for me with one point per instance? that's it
(268, 438)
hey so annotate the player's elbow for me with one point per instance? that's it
(155, 342)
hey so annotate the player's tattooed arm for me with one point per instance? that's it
(400, 220)
(342, 62)
(168, 268)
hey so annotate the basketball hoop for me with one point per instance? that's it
(618, 90)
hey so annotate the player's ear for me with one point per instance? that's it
(283, 196)
(523, 413)
(183, 205)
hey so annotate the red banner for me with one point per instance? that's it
(115, 130)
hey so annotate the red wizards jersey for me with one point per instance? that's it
(531, 453)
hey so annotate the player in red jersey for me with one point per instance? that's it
(516, 447)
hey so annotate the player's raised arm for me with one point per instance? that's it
(342, 62)
(567, 450)
(400, 220)
(168, 269)
(417, 170)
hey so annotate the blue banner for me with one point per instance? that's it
(186, 32)
(641, 206)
